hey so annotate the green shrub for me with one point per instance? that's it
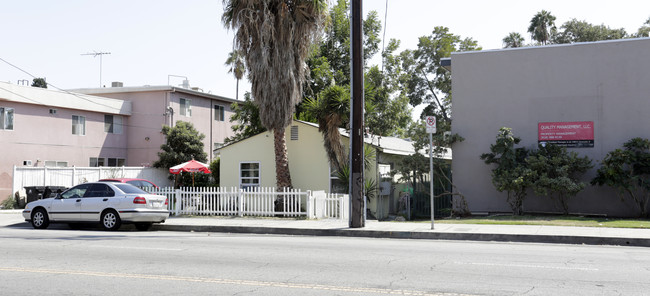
(628, 171)
(9, 203)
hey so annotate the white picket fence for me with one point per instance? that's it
(256, 201)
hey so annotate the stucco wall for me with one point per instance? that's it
(40, 136)
(143, 130)
(307, 159)
(202, 118)
(149, 116)
(604, 82)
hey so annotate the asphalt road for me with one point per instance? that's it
(60, 261)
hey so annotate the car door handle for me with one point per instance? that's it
(105, 199)
(79, 200)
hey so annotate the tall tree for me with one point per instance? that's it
(236, 63)
(426, 82)
(387, 106)
(335, 46)
(424, 79)
(328, 95)
(582, 31)
(542, 27)
(39, 82)
(644, 31)
(275, 37)
(513, 40)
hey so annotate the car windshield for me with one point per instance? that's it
(128, 188)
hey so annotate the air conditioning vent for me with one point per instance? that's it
(294, 133)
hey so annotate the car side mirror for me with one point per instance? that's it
(58, 196)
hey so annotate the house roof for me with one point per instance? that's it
(149, 88)
(388, 145)
(62, 99)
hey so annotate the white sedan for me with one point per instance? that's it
(110, 204)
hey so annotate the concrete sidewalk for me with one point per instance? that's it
(404, 230)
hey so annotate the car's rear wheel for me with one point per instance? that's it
(40, 219)
(143, 226)
(110, 220)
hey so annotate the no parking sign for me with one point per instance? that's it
(430, 122)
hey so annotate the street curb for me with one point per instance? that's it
(485, 237)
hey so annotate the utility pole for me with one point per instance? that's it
(357, 204)
(100, 54)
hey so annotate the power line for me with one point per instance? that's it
(51, 106)
(383, 38)
(58, 88)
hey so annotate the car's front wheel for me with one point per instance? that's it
(40, 219)
(110, 220)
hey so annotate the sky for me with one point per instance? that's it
(160, 42)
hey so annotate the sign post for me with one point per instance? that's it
(430, 122)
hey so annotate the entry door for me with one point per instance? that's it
(67, 207)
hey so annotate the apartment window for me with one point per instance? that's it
(115, 162)
(97, 162)
(113, 124)
(6, 118)
(249, 174)
(78, 125)
(219, 113)
(54, 163)
(186, 108)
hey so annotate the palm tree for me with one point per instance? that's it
(542, 26)
(274, 37)
(513, 40)
(236, 64)
(331, 108)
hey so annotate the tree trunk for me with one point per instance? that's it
(564, 201)
(329, 128)
(282, 174)
(237, 91)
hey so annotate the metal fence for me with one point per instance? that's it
(255, 201)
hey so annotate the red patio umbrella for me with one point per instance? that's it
(191, 166)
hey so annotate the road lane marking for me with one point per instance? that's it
(528, 266)
(232, 282)
(135, 248)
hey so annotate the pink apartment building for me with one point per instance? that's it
(117, 126)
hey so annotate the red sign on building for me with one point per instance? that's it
(566, 134)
